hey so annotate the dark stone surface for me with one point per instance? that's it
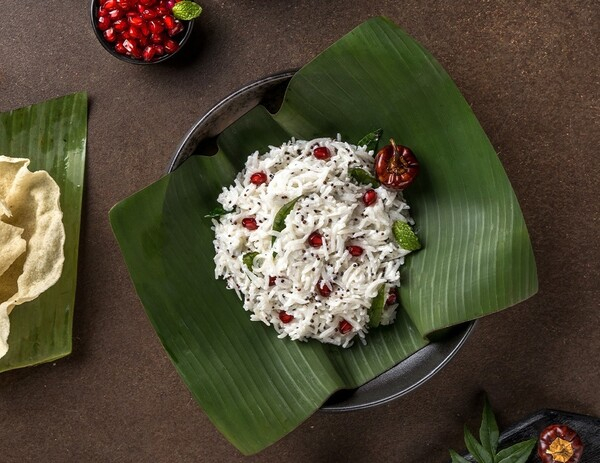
(530, 72)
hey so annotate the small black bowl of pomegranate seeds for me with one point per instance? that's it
(139, 31)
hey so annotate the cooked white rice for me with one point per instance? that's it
(331, 203)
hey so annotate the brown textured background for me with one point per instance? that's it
(530, 71)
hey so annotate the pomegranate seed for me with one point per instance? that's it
(323, 289)
(156, 26)
(125, 4)
(369, 197)
(110, 35)
(249, 223)
(392, 297)
(159, 50)
(129, 45)
(315, 240)
(169, 21)
(258, 178)
(110, 4)
(344, 326)
(171, 46)
(355, 250)
(137, 53)
(147, 2)
(141, 8)
(149, 53)
(171, 3)
(115, 14)
(176, 30)
(162, 10)
(119, 48)
(136, 21)
(135, 32)
(285, 317)
(144, 42)
(149, 14)
(272, 281)
(157, 38)
(102, 12)
(120, 25)
(145, 30)
(103, 23)
(321, 153)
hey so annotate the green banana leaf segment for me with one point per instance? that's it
(53, 135)
(476, 258)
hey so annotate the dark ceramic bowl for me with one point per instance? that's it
(181, 39)
(406, 375)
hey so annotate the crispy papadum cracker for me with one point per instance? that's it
(12, 245)
(33, 202)
(9, 168)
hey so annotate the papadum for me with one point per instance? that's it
(32, 237)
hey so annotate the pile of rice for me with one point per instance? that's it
(330, 203)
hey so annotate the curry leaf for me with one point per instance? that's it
(363, 177)
(279, 220)
(517, 453)
(481, 454)
(217, 212)
(376, 309)
(488, 432)
(456, 458)
(371, 140)
(248, 259)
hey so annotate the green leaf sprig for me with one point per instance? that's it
(377, 305)
(362, 177)
(405, 236)
(485, 451)
(248, 259)
(279, 221)
(186, 10)
(371, 140)
(217, 212)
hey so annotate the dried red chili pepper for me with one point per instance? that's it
(559, 444)
(396, 166)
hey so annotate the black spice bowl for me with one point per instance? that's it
(181, 38)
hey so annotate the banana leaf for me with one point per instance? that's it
(476, 256)
(53, 135)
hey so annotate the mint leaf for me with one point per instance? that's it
(186, 10)
(405, 237)
(488, 432)
(456, 458)
(479, 453)
(518, 453)
(371, 140)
